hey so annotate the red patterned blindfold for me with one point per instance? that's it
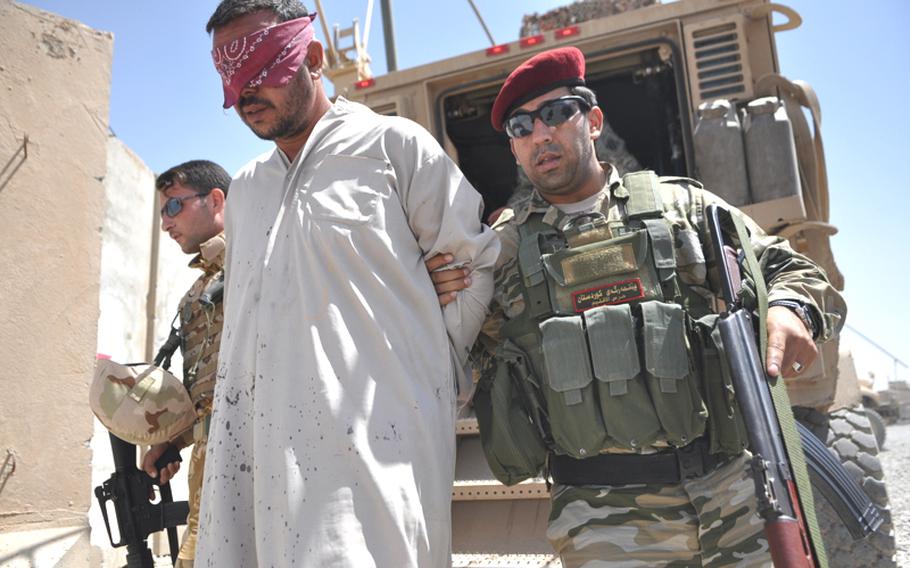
(269, 57)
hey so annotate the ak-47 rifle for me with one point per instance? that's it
(778, 499)
(129, 489)
(792, 543)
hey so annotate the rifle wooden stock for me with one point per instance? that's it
(785, 541)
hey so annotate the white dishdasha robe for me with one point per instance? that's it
(332, 441)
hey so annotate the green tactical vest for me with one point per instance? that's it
(612, 353)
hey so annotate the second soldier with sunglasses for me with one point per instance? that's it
(593, 370)
(192, 198)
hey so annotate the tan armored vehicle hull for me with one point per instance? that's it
(658, 71)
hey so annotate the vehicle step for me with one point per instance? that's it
(505, 561)
(475, 481)
(502, 533)
(467, 490)
(467, 426)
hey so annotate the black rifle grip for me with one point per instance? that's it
(172, 454)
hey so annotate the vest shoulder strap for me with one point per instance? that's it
(644, 195)
(530, 262)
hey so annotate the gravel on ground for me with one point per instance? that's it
(895, 460)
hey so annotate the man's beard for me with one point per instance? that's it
(287, 126)
(292, 119)
(554, 182)
(567, 180)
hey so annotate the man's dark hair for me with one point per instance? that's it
(201, 175)
(585, 93)
(230, 10)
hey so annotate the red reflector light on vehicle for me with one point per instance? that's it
(531, 40)
(364, 83)
(563, 33)
(498, 49)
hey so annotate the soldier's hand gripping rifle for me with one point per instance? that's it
(129, 489)
(785, 523)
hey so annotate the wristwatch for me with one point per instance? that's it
(802, 311)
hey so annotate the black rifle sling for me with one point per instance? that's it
(163, 358)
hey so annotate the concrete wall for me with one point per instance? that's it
(51, 209)
(80, 249)
(134, 262)
(140, 265)
(126, 253)
(143, 276)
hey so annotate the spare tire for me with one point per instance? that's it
(849, 435)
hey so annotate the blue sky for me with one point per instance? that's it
(165, 104)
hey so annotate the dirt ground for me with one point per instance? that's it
(896, 462)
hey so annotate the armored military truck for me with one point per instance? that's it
(689, 88)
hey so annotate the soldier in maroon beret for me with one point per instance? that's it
(592, 366)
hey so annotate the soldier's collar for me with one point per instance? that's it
(211, 254)
(552, 215)
(614, 180)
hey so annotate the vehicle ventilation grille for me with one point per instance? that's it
(718, 60)
(387, 109)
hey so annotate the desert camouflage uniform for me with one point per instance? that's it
(706, 521)
(200, 329)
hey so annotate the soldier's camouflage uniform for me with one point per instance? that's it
(706, 521)
(200, 329)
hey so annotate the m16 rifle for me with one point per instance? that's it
(129, 490)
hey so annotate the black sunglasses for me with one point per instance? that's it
(551, 113)
(174, 205)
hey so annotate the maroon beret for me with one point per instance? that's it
(562, 67)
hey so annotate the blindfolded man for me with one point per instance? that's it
(333, 438)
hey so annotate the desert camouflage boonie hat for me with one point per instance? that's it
(141, 404)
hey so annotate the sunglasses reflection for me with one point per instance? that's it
(173, 206)
(551, 113)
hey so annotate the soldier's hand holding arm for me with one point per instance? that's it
(151, 456)
(447, 282)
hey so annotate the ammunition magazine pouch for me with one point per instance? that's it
(201, 389)
(726, 428)
(620, 376)
(669, 466)
(201, 428)
(509, 420)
